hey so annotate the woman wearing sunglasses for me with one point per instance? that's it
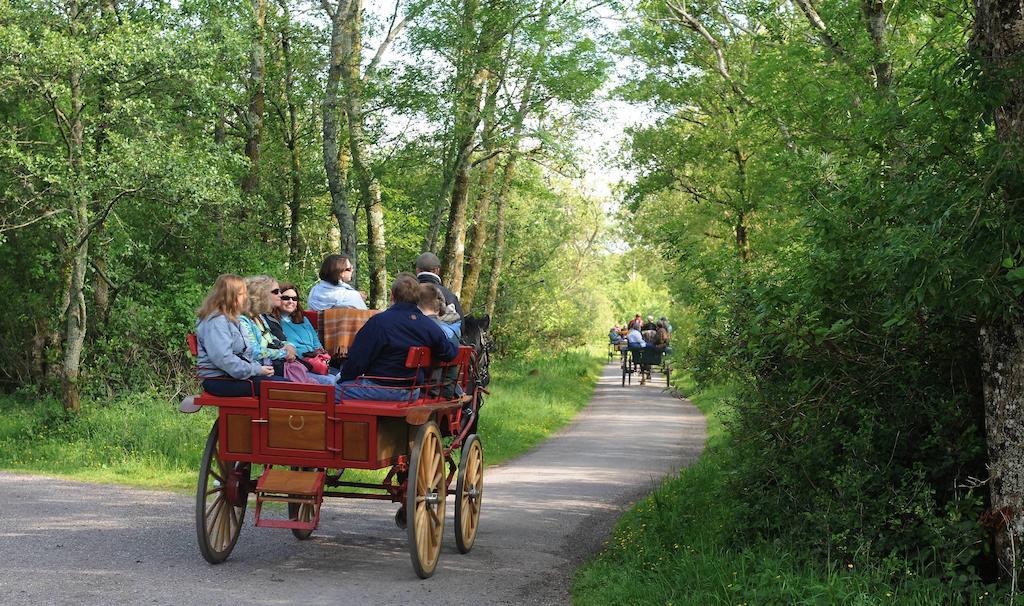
(264, 297)
(297, 329)
(228, 364)
(333, 289)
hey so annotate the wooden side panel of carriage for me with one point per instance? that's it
(302, 422)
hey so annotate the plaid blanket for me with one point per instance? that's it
(337, 328)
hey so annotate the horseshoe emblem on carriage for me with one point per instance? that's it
(302, 423)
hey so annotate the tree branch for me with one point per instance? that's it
(821, 29)
(45, 215)
(103, 216)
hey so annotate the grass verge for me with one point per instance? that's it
(675, 548)
(142, 440)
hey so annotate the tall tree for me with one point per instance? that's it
(999, 47)
(340, 14)
(253, 117)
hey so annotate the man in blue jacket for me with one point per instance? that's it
(428, 271)
(381, 346)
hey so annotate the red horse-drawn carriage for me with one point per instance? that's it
(291, 444)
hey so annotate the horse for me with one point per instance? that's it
(475, 334)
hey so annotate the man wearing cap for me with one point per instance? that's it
(428, 271)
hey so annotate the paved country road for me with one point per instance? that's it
(544, 513)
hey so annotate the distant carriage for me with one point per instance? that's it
(642, 360)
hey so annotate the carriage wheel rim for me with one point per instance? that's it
(218, 521)
(428, 502)
(470, 495)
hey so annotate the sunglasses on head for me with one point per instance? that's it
(287, 298)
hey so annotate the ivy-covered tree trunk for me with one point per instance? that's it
(336, 179)
(499, 235)
(257, 89)
(292, 136)
(78, 251)
(478, 235)
(999, 46)
(369, 188)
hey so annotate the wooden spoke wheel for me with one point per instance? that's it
(425, 499)
(220, 502)
(469, 492)
(302, 512)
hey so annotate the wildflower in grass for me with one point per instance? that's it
(850, 566)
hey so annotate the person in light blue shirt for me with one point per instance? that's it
(333, 289)
(635, 339)
(296, 326)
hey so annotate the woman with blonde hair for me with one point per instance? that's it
(264, 297)
(227, 361)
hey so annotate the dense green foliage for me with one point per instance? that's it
(680, 546)
(154, 146)
(141, 439)
(839, 238)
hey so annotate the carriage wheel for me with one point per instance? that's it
(425, 499)
(218, 521)
(469, 492)
(302, 512)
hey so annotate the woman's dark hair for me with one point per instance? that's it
(297, 316)
(332, 268)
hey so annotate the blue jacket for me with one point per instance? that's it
(325, 295)
(225, 349)
(635, 339)
(302, 336)
(382, 344)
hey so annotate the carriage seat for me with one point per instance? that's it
(418, 358)
(431, 387)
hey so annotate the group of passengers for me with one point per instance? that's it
(638, 333)
(253, 330)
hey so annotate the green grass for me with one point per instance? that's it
(141, 439)
(675, 547)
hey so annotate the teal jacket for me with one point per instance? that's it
(302, 336)
(261, 340)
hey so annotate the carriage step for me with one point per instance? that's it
(287, 486)
(286, 481)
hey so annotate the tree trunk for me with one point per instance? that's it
(441, 204)
(369, 188)
(465, 93)
(876, 17)
(999, 46)
(478, 235)
(455, 238)
(291, 138)
(100, 286)
(1002, 351)
(336, 177)
(257, 91)
(375, 249)
(742, 226)
(75, 313)
(499, 234)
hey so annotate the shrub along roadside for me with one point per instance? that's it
(140, 439)
(679, 546)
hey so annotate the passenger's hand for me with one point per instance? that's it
(289, 353)
(267, 371)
